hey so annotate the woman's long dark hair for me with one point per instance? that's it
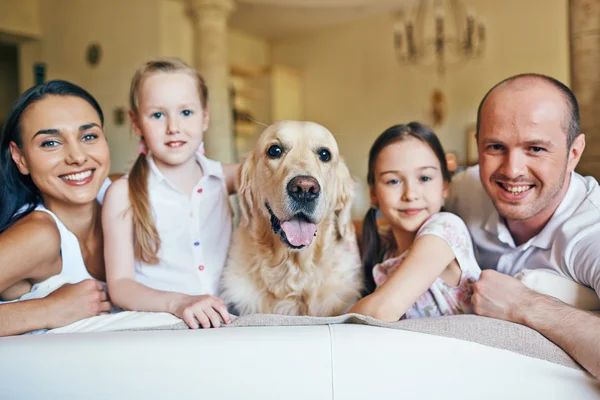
(18, 194)
(372, 248)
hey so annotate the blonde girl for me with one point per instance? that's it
(167, 224)
(424, 264)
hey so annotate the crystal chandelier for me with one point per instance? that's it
(437, 32)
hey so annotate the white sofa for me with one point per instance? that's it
(275, 357)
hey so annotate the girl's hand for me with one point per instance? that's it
(72, 302)
(372, 306)
(205, 311)
(359, 307)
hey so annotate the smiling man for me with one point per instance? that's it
(526, 208)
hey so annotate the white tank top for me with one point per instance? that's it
(73, 268)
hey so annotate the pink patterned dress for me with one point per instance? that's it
(441, 298)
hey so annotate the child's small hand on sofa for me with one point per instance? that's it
(202, 311)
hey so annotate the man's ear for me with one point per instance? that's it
(135, 125)
(576, 151)
(18, 158)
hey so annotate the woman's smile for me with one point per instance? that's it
(79, 178)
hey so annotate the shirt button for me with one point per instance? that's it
(196, 243)
(201, 268)
(199, 190)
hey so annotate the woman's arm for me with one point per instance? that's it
(29, 250)
(17, 290)
(426, 260)
(120, 263)
(67, 304)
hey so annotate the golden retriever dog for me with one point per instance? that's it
(295, 250)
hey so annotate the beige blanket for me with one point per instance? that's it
(482, 330)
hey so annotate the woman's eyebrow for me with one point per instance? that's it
(89, 126)
(49, 131)
(54, 131)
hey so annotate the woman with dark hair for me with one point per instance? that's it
(54, 161)
(422, 266)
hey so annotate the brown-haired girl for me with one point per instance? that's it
(424, 265)
(167, 224)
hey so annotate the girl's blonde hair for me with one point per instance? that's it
(146, 240)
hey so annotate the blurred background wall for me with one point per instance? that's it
(329, 61)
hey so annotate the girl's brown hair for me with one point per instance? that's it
(372, 248)
(146, 240)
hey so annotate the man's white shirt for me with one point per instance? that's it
(569, 244)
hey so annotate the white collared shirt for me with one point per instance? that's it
(194, 228)
(567, 245)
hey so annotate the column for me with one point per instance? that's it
(209, 19)
(585, 76)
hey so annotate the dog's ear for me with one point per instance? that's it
(245, 195)
(343, 203)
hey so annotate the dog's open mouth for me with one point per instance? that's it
(297, 232)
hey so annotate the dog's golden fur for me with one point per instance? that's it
(264, 274)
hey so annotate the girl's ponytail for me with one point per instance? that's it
(146, 241)
(371, 248)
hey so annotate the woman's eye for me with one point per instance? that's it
(49, 143)
(88, 137)
(274, 151)
(324, 154)
(392, 182)
(187, 113)
(425, 178)
(156, 115)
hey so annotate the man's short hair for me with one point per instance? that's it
(573, 129)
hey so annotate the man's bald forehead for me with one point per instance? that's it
(521, 83)
(528, 81)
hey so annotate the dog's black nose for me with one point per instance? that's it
(303, 188)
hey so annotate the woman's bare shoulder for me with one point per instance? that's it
(35, 237)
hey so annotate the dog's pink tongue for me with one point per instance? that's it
(299, 233)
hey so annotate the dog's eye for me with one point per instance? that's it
(324, 154)
(274, 151)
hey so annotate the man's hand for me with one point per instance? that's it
(575, 331)
(500, 296)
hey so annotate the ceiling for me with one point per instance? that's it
(275, 19)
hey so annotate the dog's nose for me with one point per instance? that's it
(303, 188)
